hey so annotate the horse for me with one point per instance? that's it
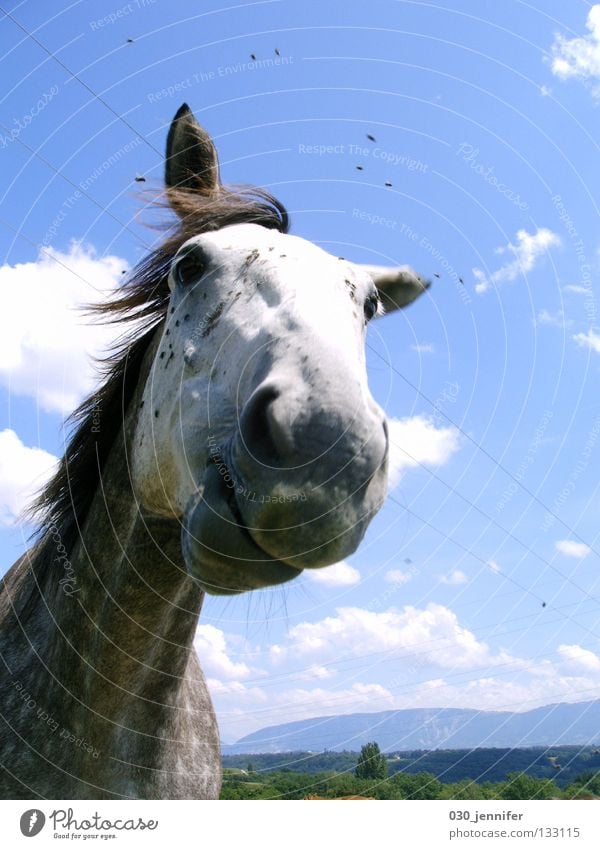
(232, 442)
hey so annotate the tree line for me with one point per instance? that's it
(561, 763)
(370, 778)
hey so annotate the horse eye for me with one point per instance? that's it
(190, 268)
(371, 306)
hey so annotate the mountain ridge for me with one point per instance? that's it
(562, 723)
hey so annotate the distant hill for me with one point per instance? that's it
(424, 728)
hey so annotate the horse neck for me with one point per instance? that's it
(122, 602)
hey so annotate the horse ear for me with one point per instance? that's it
(397, 287)
(191, 160)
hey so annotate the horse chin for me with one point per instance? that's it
(219, 552)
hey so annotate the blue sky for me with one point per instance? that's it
(486, 123)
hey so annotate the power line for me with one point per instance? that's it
(483, 450)
(407, 688)
(85, 194)
(403, 653)
(41, 248)
(497, 524)
(486, 563)
(79, 80)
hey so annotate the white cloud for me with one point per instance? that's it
(520, 691)
(495, 567)
(434, 631)
(555, 319)
(337, 575)
(211, 645)
(235, 687)
(578, 290)
(513, 684)
(528, 684)
(397, 576)
(424, 348)
(590, 340)
(579, 58)
(454, 578)
(398, 659)
(572, 549)
(23, 471)
(576, 658)
(320, 672)
(45, 342)
(417, 440)
(528, 249)
(243, 709)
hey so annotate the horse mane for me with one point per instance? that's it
(63, 503)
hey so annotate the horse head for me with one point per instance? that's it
(256, 429)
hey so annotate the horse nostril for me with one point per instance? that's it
(262, 434)
(280, 428)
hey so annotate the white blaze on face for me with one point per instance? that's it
(265, 307)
